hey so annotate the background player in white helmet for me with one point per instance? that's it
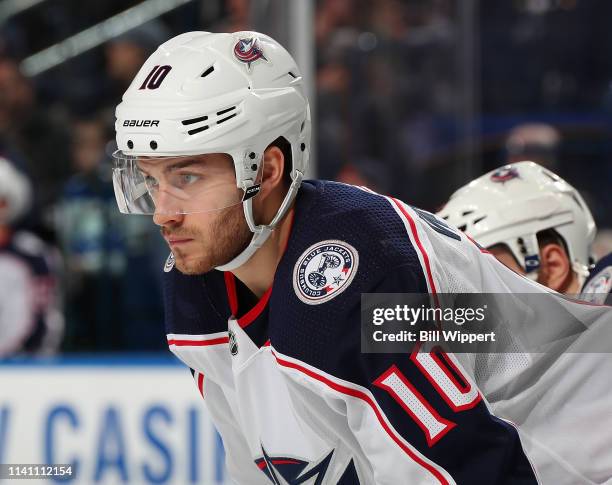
(531, 220)
(538, 225)
(30, 321)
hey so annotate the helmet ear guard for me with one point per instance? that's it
(526, 250)
(219, 93)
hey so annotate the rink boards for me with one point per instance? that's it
(118, 419)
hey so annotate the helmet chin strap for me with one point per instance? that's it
(262, 233)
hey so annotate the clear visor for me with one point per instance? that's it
(176, 184)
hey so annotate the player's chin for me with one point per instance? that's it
(193, 266)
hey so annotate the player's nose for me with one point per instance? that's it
(167, 219)
(166, 211)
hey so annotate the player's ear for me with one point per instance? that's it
(273, 166)
(556, 266)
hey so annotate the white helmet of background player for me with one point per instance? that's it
(15, 193)
(205, 93)
(512, 204)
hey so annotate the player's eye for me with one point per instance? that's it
(186, 179)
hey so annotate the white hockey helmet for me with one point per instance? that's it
(512, 204)
(201, 93)
(15, 190)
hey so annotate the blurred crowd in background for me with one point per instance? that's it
(413, 98)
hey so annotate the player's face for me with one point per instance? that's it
(203, 240)
(187, 184)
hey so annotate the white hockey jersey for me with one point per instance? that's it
(30, 320)
(296, 402)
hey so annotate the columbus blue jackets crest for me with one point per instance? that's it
(505, 174)
(248, 51)
(324, 270)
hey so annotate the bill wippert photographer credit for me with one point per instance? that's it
(473, 323)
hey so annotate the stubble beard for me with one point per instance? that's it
(226, 237)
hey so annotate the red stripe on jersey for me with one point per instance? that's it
(230, 287)
(250, 316)
(417, 240)
(262, 464)
(368, 400)
(285, 462)
(254, 312)
(198, 343)
(201, 383)
(232, 295)
(482, 250)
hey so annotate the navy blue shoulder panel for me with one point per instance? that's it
(195, 305)
(327, 210)
(338, 212)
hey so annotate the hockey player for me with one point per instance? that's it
(30, 320)
(264, 283)
(539, 226)
(536, 224)
(531, 220)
